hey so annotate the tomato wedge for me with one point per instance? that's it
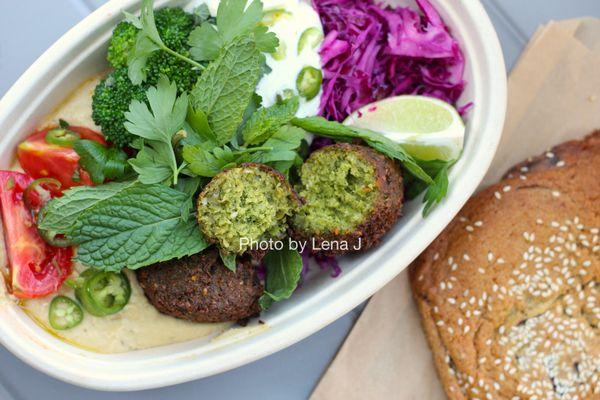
(41, 159)
(36, 268)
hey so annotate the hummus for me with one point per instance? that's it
(138, 325)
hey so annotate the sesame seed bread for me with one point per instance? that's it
(509, 293)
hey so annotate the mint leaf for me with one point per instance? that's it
(101, 162)
(139, 226)
(60, 214)
(337, 131)
(225, 88)
(266, 121)
(157, 125)
(283, 273)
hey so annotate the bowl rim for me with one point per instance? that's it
(106, 374)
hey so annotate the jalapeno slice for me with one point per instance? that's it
(62, 137)
(311, 38)
(39, 192)
(64, 313)
(103, 293)
(270, 17)
(309, 82)
(280, 53)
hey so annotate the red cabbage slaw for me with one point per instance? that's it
(371, 52)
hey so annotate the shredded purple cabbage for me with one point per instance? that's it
(319, 142)
(324, 262)
(328, 263)
(371, 52)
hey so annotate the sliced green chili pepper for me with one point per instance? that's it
(36, 195)
(280, 53)
(271, 16)
(54, 239)
(62, 137)
(310, 38)
(103, 293)
(284, 95)
(309, 82)
(64, 313)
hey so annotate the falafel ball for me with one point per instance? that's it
(251, 202)
(200, 288)
(353, 195)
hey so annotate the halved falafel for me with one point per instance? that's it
(353, 194)
(200, 288)
(251, 202)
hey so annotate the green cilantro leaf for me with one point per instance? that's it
(283, 274)
(226, 87)
(156, 161)
(202, 13)
(101, 162)
(266, 121)
(209, 162)
(234, 19)
(205, 42)
(266, 42)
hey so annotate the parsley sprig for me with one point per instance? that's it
(234, 19)
(148, 41)
(156, 161)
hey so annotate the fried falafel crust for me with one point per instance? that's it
(386, 210)
(200, 288)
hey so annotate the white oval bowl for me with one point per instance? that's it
(80, 54)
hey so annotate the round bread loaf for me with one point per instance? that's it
(509, 293)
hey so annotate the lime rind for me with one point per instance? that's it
(428, 128)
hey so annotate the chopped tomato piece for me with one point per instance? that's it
(41, 159)
(36, 268)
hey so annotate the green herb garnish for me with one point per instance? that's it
(234, 19)
(283, 274)
(156, 161)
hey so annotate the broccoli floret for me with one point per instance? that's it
(174, 26)
(111, 100)
(121, 43)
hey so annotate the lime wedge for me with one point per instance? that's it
(428, 128)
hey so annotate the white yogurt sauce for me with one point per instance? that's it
(298, 16)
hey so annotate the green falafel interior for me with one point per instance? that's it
(209, 163)
(245, 204)
(339, 189)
